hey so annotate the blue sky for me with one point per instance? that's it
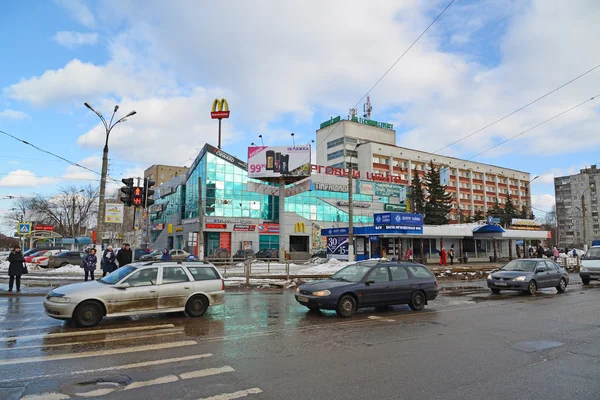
(286, 69)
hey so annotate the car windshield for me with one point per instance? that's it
(352, 273)
(520, 265)
(593, 254)
(117, 275)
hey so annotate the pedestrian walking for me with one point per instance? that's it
(124, 255)
(540, 251)
(166, 255)
(108, 261)
(555, 253)
(518, 251)
(89, 264)
(451, 255)
(15, 268)
(443, 259)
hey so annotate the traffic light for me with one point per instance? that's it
(148, 192)
(127, 190)
(138, 196)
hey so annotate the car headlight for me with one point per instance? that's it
(322, 293)
(582, 268)
(520, 278)
(490, 277)
(298, 289)
(59, 299)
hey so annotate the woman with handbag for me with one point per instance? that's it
(89, 264)
(16, 268)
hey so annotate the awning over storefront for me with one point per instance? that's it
(489, 229)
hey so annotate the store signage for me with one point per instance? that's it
(525, 222)
(395, 207)
(399, 227)
(229, 221)
(277, 161)
(43, 228)
(216, 226)
(331, 187)
(114, 213)
(370, 122)
(337, 247)
(269, 229)
(398, 218)
(358, 204)
(334, 231)
(381, 189)
(331, 121)
(328, 170)
(220, 109)
(158, 227)
(244, 228)
(179, 229)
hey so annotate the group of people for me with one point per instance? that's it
(110, 261)
(444, 255)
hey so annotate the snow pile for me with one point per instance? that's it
(331, 267)
(316, 260)
(70, 269)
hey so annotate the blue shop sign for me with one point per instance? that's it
(395, 218)
(335, 231)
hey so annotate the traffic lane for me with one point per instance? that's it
(484, 351)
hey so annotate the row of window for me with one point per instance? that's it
(340, 141)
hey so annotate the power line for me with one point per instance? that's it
(518, 109)
(535, 126)
(392, 66)
(45, 176)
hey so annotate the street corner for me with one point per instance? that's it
(26, 291)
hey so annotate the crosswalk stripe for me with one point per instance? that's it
(152, 382)
(46, 396)
(234, 395)
(158, 333)
(205, 372)
(86, 333)
(136, 349)
(112, 368)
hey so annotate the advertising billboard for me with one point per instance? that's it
(381, 189)
(337, 247)
(278, 161)
(395, 218)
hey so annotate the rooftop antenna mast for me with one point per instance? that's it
(352, 113)
(367, 108)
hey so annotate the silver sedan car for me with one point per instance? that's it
(139, 288)
(528, 275)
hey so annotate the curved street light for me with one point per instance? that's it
(351, 204)
(108, 126)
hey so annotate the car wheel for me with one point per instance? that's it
(496, 291)
(196, 306)
(346, 306)
(531, 288)
(586, 281)
(562, 285)
(418, 301)
(88, 314)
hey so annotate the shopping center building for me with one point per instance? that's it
(243, 213)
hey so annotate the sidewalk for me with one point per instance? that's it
(25, 291)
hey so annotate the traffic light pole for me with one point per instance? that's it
(200, 221)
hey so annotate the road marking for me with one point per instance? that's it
(116, 367)
(234, 395)
(94, 393)
(31, 328)
(380, 318)
(206, 372)
(137, 349)
(157, 381)
(118, 339)
(46, 396)
(86, 333)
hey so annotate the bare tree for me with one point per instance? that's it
(18, 213)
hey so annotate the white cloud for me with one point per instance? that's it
(24, 178)
(542, 202)
(93, 162)
(13, 114)
(79, 11)
(72, 39)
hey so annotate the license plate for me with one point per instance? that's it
(303, 299)
(595, 276)
(500, 283)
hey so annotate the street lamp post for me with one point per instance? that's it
(108, 128)
(584, 218)
(351, 207)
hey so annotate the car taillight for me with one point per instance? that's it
(222, 284)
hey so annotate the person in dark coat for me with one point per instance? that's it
(166, 255)
(124, 255)
(15, 269)
(108, 261)
(540, 251)
(89, 264)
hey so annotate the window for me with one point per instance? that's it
(385, 160)
(551, 266)
(541, 267)
(335, 154)
(203, 273)
(174, 275)
(335, 142)
(379, 274)
(376, 160)
(145, 277)
(399, 273)
(420, 272)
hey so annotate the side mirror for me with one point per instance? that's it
(370, 281)
(123, 285)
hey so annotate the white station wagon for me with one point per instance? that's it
(139, 288)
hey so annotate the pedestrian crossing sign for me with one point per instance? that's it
(24, 228)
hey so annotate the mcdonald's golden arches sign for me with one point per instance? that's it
(220, 109)
(299, 227)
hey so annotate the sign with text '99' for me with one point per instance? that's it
(278, 161)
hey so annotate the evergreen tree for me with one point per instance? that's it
(418, 198)
(478, 216)
(523, 214)
(509, 213)
(439, 202)
(469, 219)
(496, 211)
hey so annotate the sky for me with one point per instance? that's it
(286, 67)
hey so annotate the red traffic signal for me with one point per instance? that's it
(138, 198)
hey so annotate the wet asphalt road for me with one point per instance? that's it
(467, 344)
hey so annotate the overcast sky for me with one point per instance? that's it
(286, 67)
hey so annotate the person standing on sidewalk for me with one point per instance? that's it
(108, 261)
(443, 259)
(451, 255)
(166, 255)
(15, 269)
(124, 255)
(555, 253)
(89, 264)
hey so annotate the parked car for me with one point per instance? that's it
(243, 255)
(529, 275)
(177, 255)
(590, 265)
(151, 256)
(220, 253)
(38, 249)
(64, 258)
(370, 284)
(42, 260)
(138, 253)
(320, 254)
(267, 254)
(139, 288)
(31, 256)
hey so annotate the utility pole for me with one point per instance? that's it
(350, 215)
(583, 221)
(201, 219)
(281, 218)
